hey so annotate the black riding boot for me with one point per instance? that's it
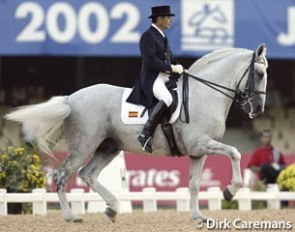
(169, 134)
(149, 128)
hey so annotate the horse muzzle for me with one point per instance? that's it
(256, 110)
(253, 110)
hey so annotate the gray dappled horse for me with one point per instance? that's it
(93, 130)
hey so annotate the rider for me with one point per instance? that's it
(158, 64)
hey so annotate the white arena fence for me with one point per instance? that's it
(149, 196)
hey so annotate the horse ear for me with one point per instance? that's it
(261, 50)
(260, 55)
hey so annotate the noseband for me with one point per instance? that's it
(241, 97)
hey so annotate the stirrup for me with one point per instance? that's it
(145, 143)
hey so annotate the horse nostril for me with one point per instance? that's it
(259, 108)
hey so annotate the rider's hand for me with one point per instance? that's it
(177, 68)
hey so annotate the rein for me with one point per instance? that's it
(241, 97)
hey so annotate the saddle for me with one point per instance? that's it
(135, 114)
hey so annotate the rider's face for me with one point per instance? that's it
(164, 22)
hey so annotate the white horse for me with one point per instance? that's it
(93, 130)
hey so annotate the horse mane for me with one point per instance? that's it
(218, 55)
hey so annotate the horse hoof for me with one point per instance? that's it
(111, 214)
(227, 195)
(78, 220)
(201, 218)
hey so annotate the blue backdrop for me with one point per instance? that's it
(113, 28)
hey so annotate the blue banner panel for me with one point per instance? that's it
(113, 28)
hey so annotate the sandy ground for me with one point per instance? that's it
(163, 220)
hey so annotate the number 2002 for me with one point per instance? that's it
(78, 22)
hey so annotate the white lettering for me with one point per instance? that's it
(162, 178)
(288, 39)
(211, 223)
(138, 178)
(150, 177)
(175, 178)
(44, 22)
(66, 11)
(153, 178)
(102, 22)
(126, 33)
(218, 224)
(32, 31)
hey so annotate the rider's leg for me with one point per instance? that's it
(160, 90)
(165, 100)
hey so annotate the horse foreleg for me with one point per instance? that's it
(217, 148)
(89, 175)
(196, 166)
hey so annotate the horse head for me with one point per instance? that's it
(252, 90)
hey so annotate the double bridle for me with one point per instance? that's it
(241, 97)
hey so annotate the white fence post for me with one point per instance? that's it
(244, 199)
(78, 203)
(182, 205)
(150, 205)
(214, 204)
(273, 203)
(3, 203)
(40, 207)
(125, 206)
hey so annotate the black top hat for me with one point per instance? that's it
(160, 11)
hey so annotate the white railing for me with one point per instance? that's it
(39, 198)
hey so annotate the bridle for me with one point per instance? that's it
(242, 98)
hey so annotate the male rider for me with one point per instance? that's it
(158, 64)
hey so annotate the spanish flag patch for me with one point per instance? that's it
(132, 114)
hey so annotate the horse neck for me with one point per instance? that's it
(225, 72)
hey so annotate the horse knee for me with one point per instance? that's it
(235, 154)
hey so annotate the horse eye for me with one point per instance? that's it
(260, 75)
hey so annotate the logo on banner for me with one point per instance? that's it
(207, 24)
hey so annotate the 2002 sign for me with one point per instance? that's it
(77, 22)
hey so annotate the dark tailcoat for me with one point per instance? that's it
(156, 57)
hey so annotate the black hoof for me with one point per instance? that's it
(76, 220)
(111, 214)
(227, 195)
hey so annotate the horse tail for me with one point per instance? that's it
(43, 121)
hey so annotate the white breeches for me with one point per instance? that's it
(160, 90)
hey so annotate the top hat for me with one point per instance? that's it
(160, 11)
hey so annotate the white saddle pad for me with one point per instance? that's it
(130, 113)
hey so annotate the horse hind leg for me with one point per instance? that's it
(61, 179)
(79, 153)
(106, 152)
